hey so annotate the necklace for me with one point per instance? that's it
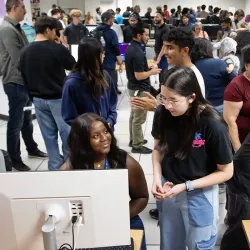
(98, 165)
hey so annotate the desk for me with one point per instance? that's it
(246, 227)
(137, 237)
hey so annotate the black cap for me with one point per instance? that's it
(106, 16)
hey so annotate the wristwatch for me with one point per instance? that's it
(189, 186)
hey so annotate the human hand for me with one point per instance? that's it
(120, 68)
(177, 189)
(155, 71)
(147, 103)
(157, 190)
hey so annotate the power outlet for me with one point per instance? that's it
(76, 209)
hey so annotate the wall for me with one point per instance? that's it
(112, 4)
(247, 7)
(239, 4)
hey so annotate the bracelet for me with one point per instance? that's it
(189, 186)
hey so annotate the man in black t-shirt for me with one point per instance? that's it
(138, 75)
(75, 31)
(43, 64)
(161, 30)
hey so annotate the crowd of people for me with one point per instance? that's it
(201, 121)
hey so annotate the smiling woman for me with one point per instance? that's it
(190, 137)
(92, 145)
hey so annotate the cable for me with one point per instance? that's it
(65, 245)
(79, 222)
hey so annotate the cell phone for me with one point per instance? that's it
(137, 93)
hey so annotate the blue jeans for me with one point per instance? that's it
(190, 220)
(137, 224)
(220, 108)
(19, 121)
(163, 65)
(48, 113)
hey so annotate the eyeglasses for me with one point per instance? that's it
(163, 101)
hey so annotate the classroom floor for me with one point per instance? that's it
(122, 134)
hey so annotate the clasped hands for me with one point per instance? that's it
(168, 190)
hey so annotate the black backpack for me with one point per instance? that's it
(98, 35)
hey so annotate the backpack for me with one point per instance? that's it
(98, 35)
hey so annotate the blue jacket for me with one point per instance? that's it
(111, 46)
(76, 100)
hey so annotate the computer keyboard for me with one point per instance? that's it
(127, 247)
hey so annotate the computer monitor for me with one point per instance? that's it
(101, 196)
(91, 27)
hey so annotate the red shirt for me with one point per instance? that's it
(166, 13)
(238, 90)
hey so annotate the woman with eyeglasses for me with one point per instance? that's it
(192, 154)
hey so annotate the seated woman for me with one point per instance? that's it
(92, 145)
(198, 32)
(89, 88)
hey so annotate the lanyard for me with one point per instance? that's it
(106, 164)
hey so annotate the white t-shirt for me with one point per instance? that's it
(118, 30)
(200, 79)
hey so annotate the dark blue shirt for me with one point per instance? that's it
(216, 78)
(76, 100)
(111, 46)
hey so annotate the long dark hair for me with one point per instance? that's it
(183, 81)
(89, 64)
(81, 154)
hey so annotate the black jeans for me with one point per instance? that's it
(19, 121)
(114, 76)
(238, 209)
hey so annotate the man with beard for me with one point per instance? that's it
(161, 30)
(127, 31)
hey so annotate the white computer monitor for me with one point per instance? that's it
(27, 198)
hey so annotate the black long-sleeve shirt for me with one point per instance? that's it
(43, 65)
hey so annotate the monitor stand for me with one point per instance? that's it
(49, 234)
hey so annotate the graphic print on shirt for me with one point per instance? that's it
(198, 142)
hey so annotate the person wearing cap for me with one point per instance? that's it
(127, 31)
(112, 51)
(160, 31)
(214, 19)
